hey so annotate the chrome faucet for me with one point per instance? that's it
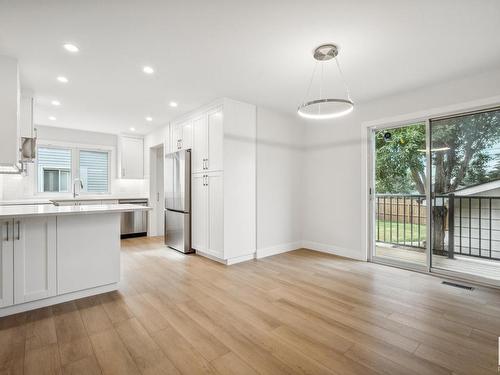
(75, 194)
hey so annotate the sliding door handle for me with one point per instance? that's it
(18, 230)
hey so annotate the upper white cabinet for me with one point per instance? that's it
(208, 136)
(34, 258)
(9, 113)
(6, 264)
(223, 180)
(182, 135)
(131, 157)
(200, 143)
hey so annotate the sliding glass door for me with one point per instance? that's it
(453, 229)
(465, 205)
(399, 205)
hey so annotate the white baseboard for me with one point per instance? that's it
(14, 309)
(284, 248)
(241, 258)
(335, 250)
(277, 249)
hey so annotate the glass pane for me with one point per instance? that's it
(51, 180)
(400, 206)
(465, 216)
(64, 180)
(50, 161)
(94, 171)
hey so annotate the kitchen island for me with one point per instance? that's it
(51, 254)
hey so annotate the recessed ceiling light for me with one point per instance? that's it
(132, 129)
(173, 104)
(55, 102)
(62, 79)
(148, 70)
(52, 118)
(149, 118)
(71, 47)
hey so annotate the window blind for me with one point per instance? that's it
(94, 171)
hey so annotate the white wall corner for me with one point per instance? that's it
(278, 249)
(335, 250)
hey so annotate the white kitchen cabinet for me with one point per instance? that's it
(223, 181)
(199, 212)
(9, 113)
(208, 137)
(34, 258)
(199, 152)
(6, 264)
(182, 135)
(215, 140)
(207, 196)
(215, 187)
(131, 157)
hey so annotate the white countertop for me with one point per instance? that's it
(49, 200)
(51, 210)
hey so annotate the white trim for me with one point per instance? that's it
(277, 249)
(335, 250)
(14, 309)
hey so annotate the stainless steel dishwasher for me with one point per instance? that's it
(134, 224)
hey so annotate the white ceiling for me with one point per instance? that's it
(256, 51)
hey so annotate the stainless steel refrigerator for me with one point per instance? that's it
(178, 200)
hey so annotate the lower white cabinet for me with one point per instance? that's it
(6, 265)
(207, 196)
(28, 260)
(35, 254)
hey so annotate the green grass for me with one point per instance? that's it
(398, 234)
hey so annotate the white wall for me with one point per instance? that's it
(279, 182)
(14, 187)
(334, 215)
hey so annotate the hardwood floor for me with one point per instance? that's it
(301, 312)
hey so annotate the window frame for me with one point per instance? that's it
(75, 167)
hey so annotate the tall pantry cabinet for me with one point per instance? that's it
(223, 191)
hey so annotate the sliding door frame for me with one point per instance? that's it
(372, 257)
(368, 164)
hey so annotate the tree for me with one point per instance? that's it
(460, 158)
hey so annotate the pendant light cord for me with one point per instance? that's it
(310, 83)
(343, 78)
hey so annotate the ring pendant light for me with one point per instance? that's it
(325, 108)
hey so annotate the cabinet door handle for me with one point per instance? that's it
(7, 223)
(206, 163)
(18, 230)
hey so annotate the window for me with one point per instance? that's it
(94, 171)
(57, 168)
(54, 170)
